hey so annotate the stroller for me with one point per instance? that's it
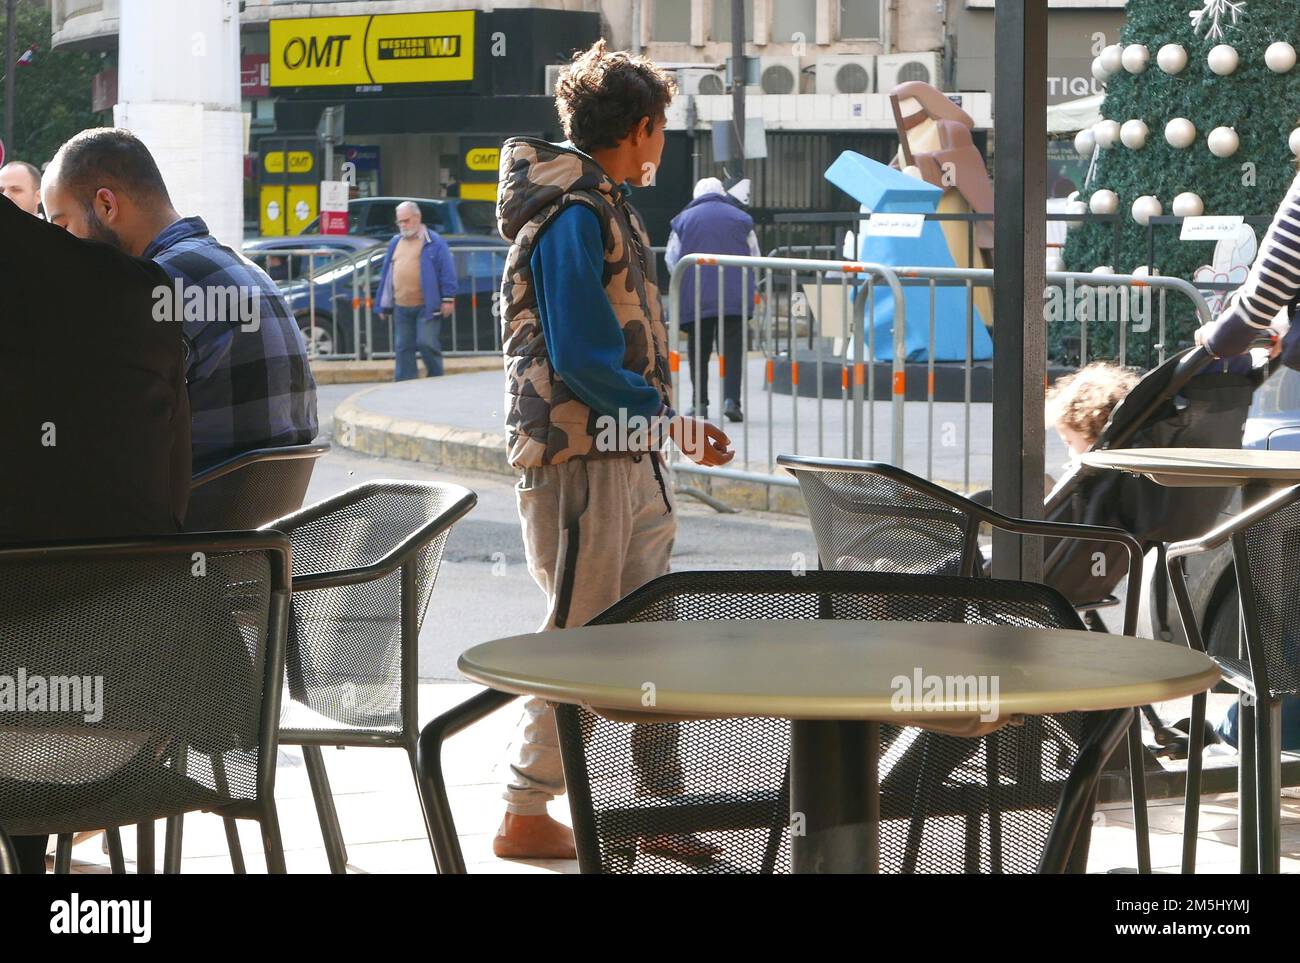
(1176, 405)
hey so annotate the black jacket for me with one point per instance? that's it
(94, 416)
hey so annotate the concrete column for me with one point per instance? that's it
(178, 91)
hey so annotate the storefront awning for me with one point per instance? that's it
(1074, 115)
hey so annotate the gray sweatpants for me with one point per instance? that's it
(594, 531)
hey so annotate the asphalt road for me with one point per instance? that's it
(484, 590)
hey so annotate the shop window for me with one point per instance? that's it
(722, 20)
(794, 17)
(671, 21)
(860, 20)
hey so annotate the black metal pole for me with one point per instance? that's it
(1019, 328)
(11, 55)
(738, 77)
(834, 797)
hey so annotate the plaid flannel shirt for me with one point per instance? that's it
(250, 384)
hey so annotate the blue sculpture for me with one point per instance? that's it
(882, 189)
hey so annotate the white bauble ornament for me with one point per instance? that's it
(1142, 271)
(1223, 142)
(1103, 202)
(1085, 143)
(1100, 73)
(1076, 207)
(1172, 58)
(1223, 60)
(1294, 142)
(1106, 133)
(1280, 57)
(1135, 58)
(1133, 134)
(1055, 263)
(1112, 59)
(1103, 269)
(1188, 204)
(1145, 208)
(1180, 133)
(911, 170)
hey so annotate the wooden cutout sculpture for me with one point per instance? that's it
(934, 136)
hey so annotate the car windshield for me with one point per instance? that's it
(342, 270)
(480, 217)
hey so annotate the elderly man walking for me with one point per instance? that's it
(418, 288)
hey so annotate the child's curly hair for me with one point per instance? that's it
(1084, 400)
(601, 95)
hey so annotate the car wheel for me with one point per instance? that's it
(319, 339)
(1222, 633)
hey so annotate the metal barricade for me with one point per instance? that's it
(320, 287)
(854, 312)
(873, 398)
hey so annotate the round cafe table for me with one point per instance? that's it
(836, 680)
(1202, 467)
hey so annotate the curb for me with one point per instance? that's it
(366, 372)
(443, 446)
(418, 441)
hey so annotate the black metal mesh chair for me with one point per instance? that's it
(364, 565)
(249, 490)
(165, 657)
(947, 804)
(238, 494)
(871, 516)
(1265, 546)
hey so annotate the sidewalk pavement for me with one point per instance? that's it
(459, 423)
(384, 831)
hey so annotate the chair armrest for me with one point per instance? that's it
(403, 549)
(1238, 523)
(989, 516)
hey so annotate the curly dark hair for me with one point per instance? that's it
(601, 95)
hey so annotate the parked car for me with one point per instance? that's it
(272, 254)
(328, 297)
(377, 216)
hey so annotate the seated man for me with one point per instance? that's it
(96, 426)
(250, 385)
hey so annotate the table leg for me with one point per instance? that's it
(835, 797)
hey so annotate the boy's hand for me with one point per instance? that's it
(701, 441)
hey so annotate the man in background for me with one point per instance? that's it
(21, 183)
(96, 426)
(250, 385)
(714, 223)
(418, 288)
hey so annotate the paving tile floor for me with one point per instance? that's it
(384, 831)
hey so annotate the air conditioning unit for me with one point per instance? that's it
(779, 75)
(846, 74)
(552, 78)
(700, 80)
(895, 69)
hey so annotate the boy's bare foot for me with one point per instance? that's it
(533, 837)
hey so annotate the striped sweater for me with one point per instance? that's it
(1272, 287)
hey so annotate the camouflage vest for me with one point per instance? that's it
(546, 421)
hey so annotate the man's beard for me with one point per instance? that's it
(408, 233)
(99, 231)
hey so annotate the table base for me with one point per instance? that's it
(834, 797)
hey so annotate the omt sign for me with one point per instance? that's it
(400, 48)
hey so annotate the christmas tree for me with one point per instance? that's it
(1201, 113)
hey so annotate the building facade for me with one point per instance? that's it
(425, 122)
